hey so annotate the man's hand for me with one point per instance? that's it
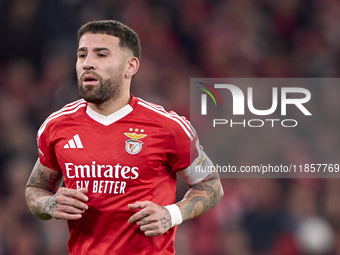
(66, 204)
(153, 219)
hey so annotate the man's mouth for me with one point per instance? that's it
(89, 79)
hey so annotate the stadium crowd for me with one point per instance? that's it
(180, 40)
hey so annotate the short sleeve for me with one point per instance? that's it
(182, 146)
(46, 146)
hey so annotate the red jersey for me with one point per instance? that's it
(131, 155)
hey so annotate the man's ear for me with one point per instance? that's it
(133, 65)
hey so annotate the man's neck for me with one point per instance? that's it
(112, 105)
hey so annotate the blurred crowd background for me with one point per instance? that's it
(180, 40)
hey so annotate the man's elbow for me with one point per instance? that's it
(220, 192)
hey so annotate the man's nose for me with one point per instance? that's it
(88, 63)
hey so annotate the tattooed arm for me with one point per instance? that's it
(155, 220)
(47, 200)
(201, 197)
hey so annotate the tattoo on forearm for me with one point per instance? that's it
(211, 192)
(43, 183)
(32, 197)
(192, 207)
(50, 205)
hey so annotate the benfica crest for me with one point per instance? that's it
(133, 146)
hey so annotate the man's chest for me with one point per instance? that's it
(107, 159)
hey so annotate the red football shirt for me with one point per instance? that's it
(131, 155)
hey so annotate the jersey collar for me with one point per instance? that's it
(108, 120)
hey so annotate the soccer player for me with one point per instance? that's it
(118, 156)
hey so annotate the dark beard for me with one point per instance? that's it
(108, 89)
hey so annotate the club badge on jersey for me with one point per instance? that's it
(134, 145)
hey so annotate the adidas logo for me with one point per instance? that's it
(74, 143)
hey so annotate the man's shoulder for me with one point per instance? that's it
(170, 120)
(69, 111)
(156, 112)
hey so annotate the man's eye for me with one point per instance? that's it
(101, 55)
(81, 56)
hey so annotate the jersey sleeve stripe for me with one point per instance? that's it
(61, 113)
(66, 107)
(172, 113)
(192, 133)
(186, 122)
(175, 115)
(166, 114)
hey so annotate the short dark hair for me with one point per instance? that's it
(127, 37)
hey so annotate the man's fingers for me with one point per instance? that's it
(68, 212)
(66, 216)
(71, 210)
(138, 216)
(152, 218)
(68, 204)
(148, 227)
(63, 200)
(73, 216)
(139, 205)
(83, 190)
(133, 206)
(147, 220)
(152, 229)
(152, 233)
(78, 194)
(72, 197)
(142, 213)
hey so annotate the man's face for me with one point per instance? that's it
(100, 67)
